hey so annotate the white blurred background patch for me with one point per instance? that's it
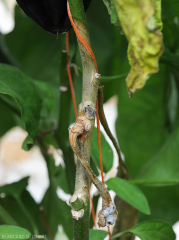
(15, 163)
(7, 15)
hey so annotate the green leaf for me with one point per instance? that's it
(163, 203)
(112, 12)
(106, 151)
(95, 204)
(12, 206)
(141, 124)
(158, 20)
(6, 218)
(37, 53)
(97, 234)
(170, 59)
(27, 143)
(7, 231)
(17, 85)
(163, 168)
(156, 183)
(129, 193)
(170, 13)
(56, 210)
(46, 94)
(15, 189)
(62, 179)
(151, 230)
(94, 167)
(114, 16)
(7, 121)
(145, 46)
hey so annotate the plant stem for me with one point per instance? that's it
(28, 216)
(89, 96)
(105, 79)
(5, 218)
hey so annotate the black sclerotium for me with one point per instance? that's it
(51, 15)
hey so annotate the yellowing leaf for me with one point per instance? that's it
(158, 19)
(145, 41)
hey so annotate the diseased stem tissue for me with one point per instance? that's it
(79, 133)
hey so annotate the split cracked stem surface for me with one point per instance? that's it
(79, 134)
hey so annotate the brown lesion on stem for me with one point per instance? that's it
(79, 134)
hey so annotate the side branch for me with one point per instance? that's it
(122, 167)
